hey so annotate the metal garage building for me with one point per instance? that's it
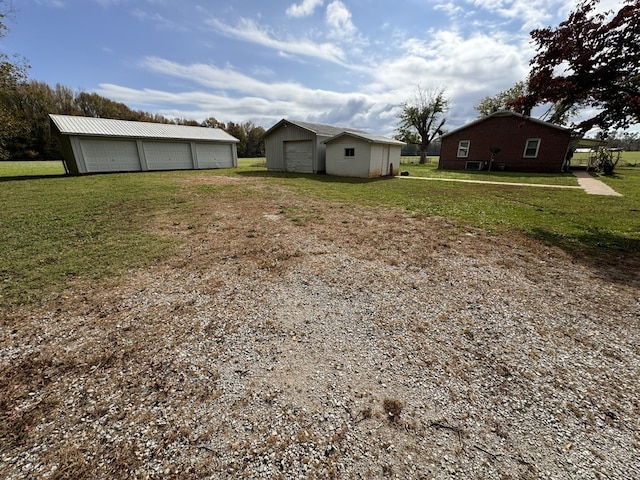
(294, 146)
(351, 154)
(98, 145)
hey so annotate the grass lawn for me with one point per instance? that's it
(31, 168)
(54, 228)
(430, 170)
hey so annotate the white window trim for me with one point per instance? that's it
(348, 150)
(526, 145)
(464, 149)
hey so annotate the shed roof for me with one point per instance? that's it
(506, 113)
(366, 137)
(317, 128)
(105, 127)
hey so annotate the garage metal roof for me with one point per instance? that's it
(317, 128)
(367, 137)
(104, 127)
(324, 130)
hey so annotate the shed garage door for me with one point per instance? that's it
(214, 155)
(110, 155)
(298, 156)
(168, 155)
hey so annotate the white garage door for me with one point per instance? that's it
(298, 156)
(214, 155)
(110, 155)
(168, 155)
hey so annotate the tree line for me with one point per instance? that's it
(27, 103)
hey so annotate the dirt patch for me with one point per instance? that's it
(294, 338)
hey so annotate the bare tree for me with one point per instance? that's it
(423, 115)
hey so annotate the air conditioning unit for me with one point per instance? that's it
(474, 166)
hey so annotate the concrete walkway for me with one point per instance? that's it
(487, 182)
(586, 182)
(593, 186)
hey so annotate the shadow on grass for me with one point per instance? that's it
(31, 177)
(615, 257)
(317, 177)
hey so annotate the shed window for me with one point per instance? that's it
(463, 148)
(349, 152)
(531, 148)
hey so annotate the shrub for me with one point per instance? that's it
(605, 160)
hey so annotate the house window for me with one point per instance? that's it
(531, 148)
(349, 152)
(463, 148)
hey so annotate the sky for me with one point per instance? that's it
(340, 62)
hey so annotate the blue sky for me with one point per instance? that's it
(349, 62)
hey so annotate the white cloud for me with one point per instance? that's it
(304, 9)
(108, 3)
(230, 95)
(249, 31)
(468, 67)
(531, 13)
(262, 71)
(449, 8)
(450, 58)
(339, 20)
(158, 20)
(230, 80)
(470, 64)
(51, 3)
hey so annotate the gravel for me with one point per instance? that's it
(294, 338)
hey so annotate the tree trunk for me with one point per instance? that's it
(423, 153)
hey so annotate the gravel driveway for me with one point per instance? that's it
(294, 338)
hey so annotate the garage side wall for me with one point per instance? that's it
(339, 164)
(67, 154)
(274, 145)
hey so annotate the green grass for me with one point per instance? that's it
(431, 171)
(31, 168)
(56, 228)
(627, 159)
(567, 218)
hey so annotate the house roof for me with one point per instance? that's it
(506, 113)
(366, 137)
(105, 127)
(317, 128)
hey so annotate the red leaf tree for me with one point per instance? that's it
(591, 61)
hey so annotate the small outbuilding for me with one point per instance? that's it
(294, 146)
(510, 141)
(99, 145)
(355, 154)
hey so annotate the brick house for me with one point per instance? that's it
(515, 143)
